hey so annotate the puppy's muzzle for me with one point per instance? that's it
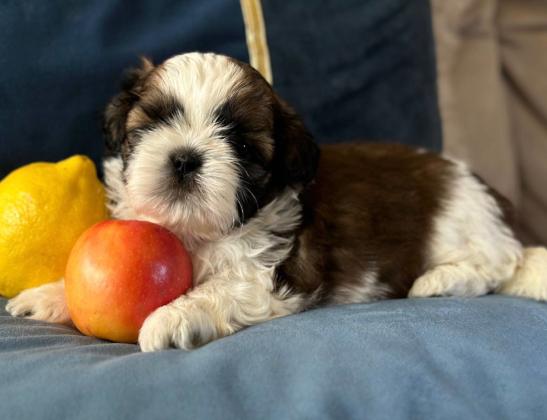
(185, 164)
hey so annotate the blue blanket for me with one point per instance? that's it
(430, 358)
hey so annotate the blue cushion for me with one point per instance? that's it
(353, 70)
(63, 60)
(428, 358)
(357, 69)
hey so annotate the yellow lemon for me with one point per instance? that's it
(44, 208)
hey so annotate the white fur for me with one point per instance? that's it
(368, 289)
(472, 251)
(43, 303)
(116, 192)
(234, 283)
(530, 280)
(201, 83)
(234, 269)
(209, 209)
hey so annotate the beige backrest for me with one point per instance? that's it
(492, 64)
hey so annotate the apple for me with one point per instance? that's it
(118, 272)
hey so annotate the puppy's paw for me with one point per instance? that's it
(460, 279)
(182, 325)
(44, 303)
(426, 286)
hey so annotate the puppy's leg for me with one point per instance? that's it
(472, 250)
(214, 309)
(530, 280)
(459, 279)
(43, 303)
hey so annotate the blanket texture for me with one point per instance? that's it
(429, 358)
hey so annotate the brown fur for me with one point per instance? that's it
(115, 115)
(371, 206)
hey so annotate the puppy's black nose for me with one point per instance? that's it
(185, 163)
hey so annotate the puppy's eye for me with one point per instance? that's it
(224, 115)
(243, 148)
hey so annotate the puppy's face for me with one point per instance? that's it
(205, 143)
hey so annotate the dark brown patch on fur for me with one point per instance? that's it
(249, 109)
(115, 115)
(270, 139)
(371, 208)
(162, 110)
(295, 154)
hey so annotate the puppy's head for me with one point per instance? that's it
(205, 142)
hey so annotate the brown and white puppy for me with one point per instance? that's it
(203, 146)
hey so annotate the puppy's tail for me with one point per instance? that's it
(530, 278)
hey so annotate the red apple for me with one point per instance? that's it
(120, 271)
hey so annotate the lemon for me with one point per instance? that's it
(44, 208)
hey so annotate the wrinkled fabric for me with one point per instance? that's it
(423, 358)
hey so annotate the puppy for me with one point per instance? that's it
(202, 145)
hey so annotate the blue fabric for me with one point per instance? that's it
(481, 358)
(63, 60)
(353, 69)
(357, 69)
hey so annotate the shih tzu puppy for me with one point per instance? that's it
(202, 145)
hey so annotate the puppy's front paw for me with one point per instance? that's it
(181, 325)
(44, 303)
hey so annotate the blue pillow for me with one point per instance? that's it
(353, 69)
(62, 61)
(357, 69)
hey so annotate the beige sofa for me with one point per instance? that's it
(492, 63)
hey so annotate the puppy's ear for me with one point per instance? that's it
(115, 114)
(296, 154)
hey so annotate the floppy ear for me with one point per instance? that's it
(296, 155)
(115, 114)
